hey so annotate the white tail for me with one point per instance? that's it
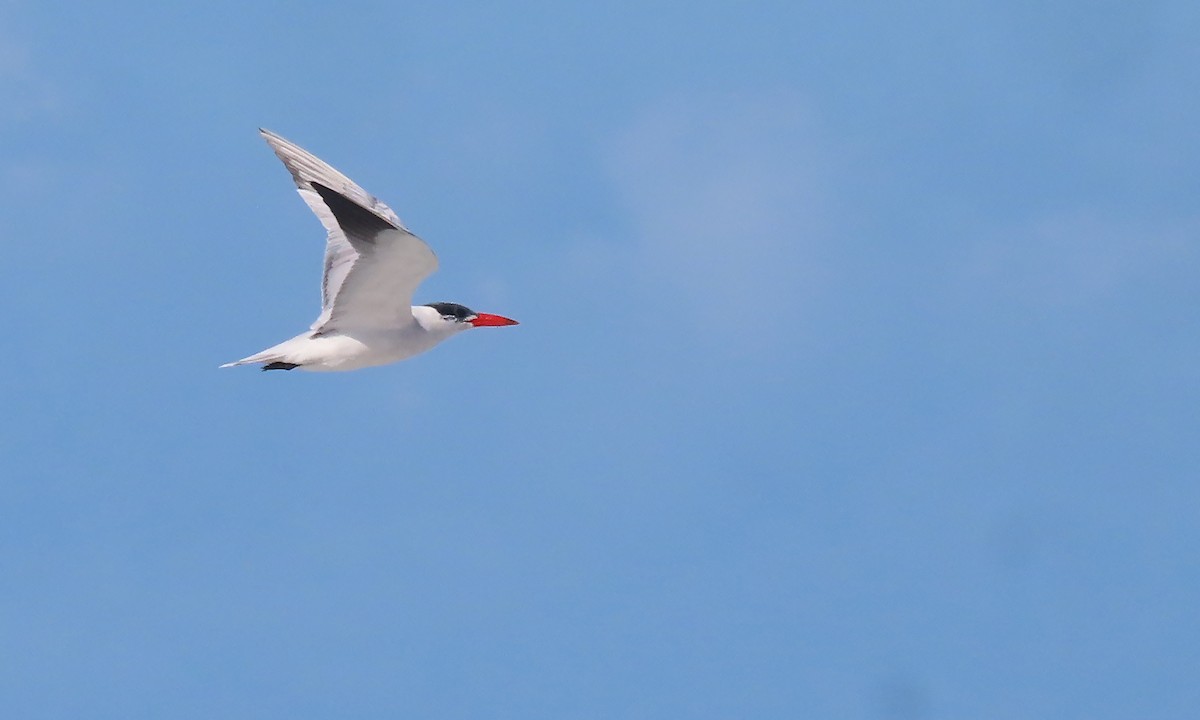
(263, 357)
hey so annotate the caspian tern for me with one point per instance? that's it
(372, 266)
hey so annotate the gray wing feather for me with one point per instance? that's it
(373, 263)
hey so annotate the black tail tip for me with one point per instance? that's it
(279, 366)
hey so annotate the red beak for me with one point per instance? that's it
(486, 320)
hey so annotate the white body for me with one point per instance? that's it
(355, 348)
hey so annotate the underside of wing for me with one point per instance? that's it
(307, 168)
(372, 262)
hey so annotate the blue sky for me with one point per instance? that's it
(856, 375)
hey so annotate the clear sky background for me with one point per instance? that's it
(857, 374)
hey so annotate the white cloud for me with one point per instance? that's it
(727, 197)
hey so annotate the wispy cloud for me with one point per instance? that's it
(727, 197)
(24, 94)
(1073, 258)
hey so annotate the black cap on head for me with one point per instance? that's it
(452, 310)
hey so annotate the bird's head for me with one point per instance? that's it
(451, 317)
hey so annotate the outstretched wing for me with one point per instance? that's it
(372, 262)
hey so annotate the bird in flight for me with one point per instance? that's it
(372, 266)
